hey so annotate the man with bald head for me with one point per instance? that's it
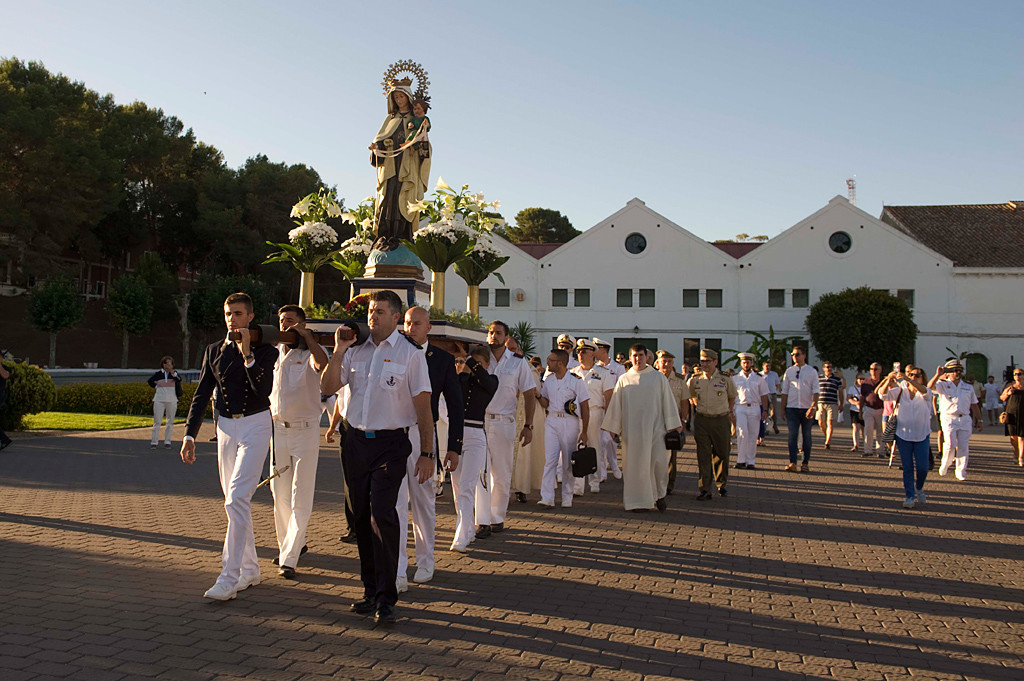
(444, 380)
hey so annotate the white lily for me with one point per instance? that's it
(441, 184)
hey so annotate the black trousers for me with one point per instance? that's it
(374, 469)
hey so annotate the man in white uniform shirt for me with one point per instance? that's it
(514, 376)
(607, 457)
(771, 379)
(568, 343)
(752, 396)
(799, 401)
(958, 410)
(390, 392)
(562, 428)
(296, 407)
(600, 383)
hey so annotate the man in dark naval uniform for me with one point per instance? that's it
(243, 376)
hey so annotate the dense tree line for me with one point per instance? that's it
(85, 178)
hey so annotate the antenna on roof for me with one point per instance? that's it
(851, 190)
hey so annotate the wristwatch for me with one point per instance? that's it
(429, 455)
(528, 425)
(250, 357)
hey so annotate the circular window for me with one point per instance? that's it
(636, 243)
(840, 242)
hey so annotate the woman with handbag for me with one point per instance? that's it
(1012, 417)
(910, 425)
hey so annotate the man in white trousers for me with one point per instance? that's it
(607, 457)
(958, 411)
(564, 396)
(243, 375)
(420, 495)
(514, 377)
(752, 400)
(296, 407)
(478, 387)
(600, 382)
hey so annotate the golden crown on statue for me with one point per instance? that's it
(391, 81)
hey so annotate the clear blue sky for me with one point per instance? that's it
(725, 117)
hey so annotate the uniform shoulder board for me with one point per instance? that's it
(414, 343)
(516, 354)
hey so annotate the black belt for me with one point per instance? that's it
(472, 423)
(244, 413)
(372, 434)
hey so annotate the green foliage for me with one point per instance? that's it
(855, 327)
(115, 398)
(62, 420)
(162, 284)
(461, 319)
(523, 333)
(765, 348)
(206, 306)
(30, 390)
(540, 225)
(437, 252)
(477, 265)
(55, 305)
(130, 305)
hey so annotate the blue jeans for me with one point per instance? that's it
(797, 421)
(914, 458)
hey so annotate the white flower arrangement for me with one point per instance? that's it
(316, 235)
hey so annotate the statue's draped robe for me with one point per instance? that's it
(641, 411)
(400, 180)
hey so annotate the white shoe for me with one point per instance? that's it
(567, 503)
(220, 592)
(617, 474)
(594, 489)
(549, 504)
(245, 581)
(402, 584)
(423, 575)
(459, 548)
(961, 477)
(943, 471)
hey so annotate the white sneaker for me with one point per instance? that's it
(220, 592)
(909, 502)
(423, 575)
(617, 474)
(459, 548)
(245, 581)
(402, 584)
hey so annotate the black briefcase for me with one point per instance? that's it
(674, 440)
(584, 462)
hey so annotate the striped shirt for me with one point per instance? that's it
(828, 389)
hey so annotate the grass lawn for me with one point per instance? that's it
(59, 420)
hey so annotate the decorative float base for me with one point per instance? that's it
(411, 291)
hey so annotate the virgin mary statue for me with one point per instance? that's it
(402, 172)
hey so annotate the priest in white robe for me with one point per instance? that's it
(641, 411)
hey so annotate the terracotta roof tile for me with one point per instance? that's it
(736, 249)
(537, 251)
(979, 235)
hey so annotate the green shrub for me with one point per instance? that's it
(130, 399)
(30, 390)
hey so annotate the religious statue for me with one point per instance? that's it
(401, 153)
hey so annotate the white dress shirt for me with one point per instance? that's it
(514, 376)
(383, 380)
(560, 390)
(913, 415)
(597, 379)
(296, 392)
(614, 367)
(750, 388)
(955, 399)
(771, 379)
(800, 385)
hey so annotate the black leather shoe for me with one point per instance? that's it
(661, 504)
(305, 548)
(751, 467)
(723, 491)
(520, 497)
(498, 527)
(349, 538)
(704, 496)
(385, 614)
(286, 572)
(483, 531)
(741, 466)
(363, 607)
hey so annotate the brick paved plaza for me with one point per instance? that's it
(106, 548)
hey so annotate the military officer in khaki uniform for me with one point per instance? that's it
(713, 396)
(681, 394)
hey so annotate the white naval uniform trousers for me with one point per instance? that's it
(561, 437)
(424, 516)
(594, 439)
(492, 497)
(465, 480)
(956, 434)
(608, 457)
(748, 424)
(296, 454)
(242, 446)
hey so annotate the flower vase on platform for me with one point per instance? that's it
(473, 300)
(306, 290)
(437, 290)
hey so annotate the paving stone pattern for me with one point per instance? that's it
(107, 546)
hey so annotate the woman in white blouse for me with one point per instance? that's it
(914, 426)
